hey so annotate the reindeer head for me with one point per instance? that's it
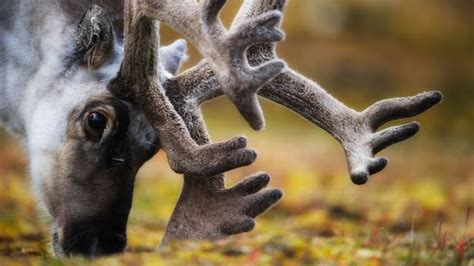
(85, 157)
(90, 186)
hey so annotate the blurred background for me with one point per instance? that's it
(418, 210)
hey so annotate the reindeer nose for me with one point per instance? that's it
(359, 178)
(92, 246)
(91, 242)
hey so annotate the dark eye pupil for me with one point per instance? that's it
(97, 121)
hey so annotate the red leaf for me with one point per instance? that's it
(461, 247)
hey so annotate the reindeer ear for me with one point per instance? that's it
(94, 38)
(173, 55)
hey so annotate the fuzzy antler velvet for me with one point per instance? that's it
(138, 80)
(225, 49)
(356, 131)
(206, 209)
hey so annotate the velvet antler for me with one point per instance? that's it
(138, 80)
(206, 209)
(225, 49)
(356, 131)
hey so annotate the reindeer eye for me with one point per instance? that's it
(97, 121)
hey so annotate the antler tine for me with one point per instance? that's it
(206, 209)
(362, 144)
(261, 52)
(225, 50)
(356, 131)
(138, 80)
(252, 8)
(390, 109)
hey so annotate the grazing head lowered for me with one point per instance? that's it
(85, 143)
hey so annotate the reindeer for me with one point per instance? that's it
(92, 97)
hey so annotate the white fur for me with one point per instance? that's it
(37, 96)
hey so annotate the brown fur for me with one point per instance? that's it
(90, 191)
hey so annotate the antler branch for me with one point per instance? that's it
(206, 209)
(356, 131)
(138, 80)
(225, 49)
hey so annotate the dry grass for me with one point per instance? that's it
(415, 213)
